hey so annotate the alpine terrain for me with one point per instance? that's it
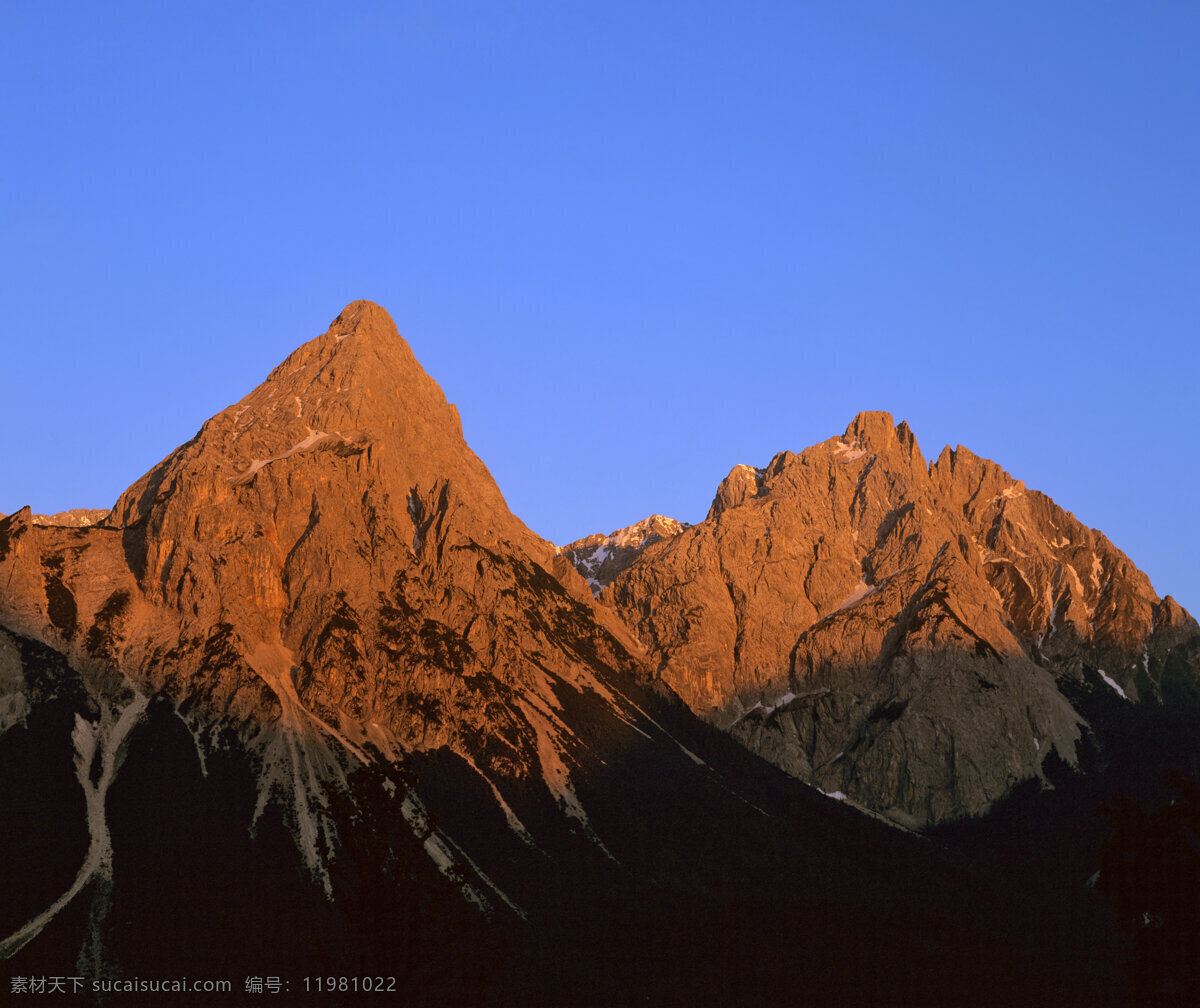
(912, 635)
(310, 703)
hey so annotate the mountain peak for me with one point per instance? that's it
(350, 414)
(364, 318)
(855, 571)
(600, 558)
(872, 429)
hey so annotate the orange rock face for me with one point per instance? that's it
(899, 632)
(601, 558)
(328, 570)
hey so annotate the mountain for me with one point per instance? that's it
(311, 701)
(912, 635)
(600, 558)
(329, 575)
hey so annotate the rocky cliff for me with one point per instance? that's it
(907, 634)
(329, 575)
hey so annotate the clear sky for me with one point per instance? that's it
(636, 243)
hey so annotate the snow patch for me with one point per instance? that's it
(637, 536)
(848, 453)
(314, 437)
(746, 713)
(776, 704)
(1112, 682)
(860, 592)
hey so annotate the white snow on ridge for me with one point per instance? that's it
(848, 453)
(767, 710)
(636, 536)
(314, 437)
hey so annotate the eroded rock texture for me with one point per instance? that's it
(600, 558)
(903, 633)
(327, 571)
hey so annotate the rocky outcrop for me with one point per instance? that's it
(600, 558)
(895, 631)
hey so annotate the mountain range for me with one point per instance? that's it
(310, 700)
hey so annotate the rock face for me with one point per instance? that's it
(906, 634)
(600, 558)
(327, 572)
(311, 682)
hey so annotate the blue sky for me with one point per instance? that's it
(635, 243)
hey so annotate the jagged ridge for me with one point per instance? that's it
(894, 630)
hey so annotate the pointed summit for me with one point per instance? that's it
(326, 569)
(354, 404)
(365, 333)
(365, 317)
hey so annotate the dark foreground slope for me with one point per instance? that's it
(704, 876)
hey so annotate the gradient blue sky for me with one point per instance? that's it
(635, 243)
